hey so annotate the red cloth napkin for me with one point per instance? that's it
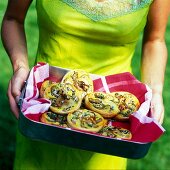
(144, 128)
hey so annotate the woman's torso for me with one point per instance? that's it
(77, 34)
(82, 34)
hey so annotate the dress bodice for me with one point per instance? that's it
(72, 36)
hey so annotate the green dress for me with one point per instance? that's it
(94, 35)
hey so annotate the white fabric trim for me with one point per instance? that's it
(106, 88)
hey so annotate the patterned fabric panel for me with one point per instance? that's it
(99, 10)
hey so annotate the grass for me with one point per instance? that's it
(8, 123)
(159, 154)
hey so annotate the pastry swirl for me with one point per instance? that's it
(115, 132)
(54, 119)
(64, 98)
(102, 103)
(44, 85)
(80, 79)
(85, 120)
(127, 104)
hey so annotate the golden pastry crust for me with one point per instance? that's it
(44, 85)
(80, 79)
(48, 92)
(102, 103)
(54, 119)
(64, 98)
(116, 132)
(85, 120)
(127, 104)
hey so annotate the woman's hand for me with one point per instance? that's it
(15, 87)
(157, 107)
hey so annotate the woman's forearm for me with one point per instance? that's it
(153, 65)
(14, 40)
(13, 36)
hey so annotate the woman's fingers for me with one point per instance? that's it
(162, 117)
(157, 107)
(12, 102)
(15, 87)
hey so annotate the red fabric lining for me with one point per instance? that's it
(141, 132)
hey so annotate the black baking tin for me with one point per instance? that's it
(78, 139)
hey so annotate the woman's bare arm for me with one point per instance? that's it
(14, 40)
(13, 34)
(154, 56)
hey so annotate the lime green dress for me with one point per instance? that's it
(94, 35)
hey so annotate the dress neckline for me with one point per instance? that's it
(98, 10)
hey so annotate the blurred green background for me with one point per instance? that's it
(159, 154)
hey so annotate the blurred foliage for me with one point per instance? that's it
(8, 124)
(159, 154)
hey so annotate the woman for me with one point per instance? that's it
(98, 36)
